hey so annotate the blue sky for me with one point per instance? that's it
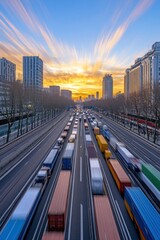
(79, 39)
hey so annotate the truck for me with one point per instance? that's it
(99, 124)
(150, 185)
(96, 130)
(64, 134)
(42, 177)
(142, 213)
(103, 145)
(53, 236)
(121, 178)
(113, 142)
(107, 154)
(152, 174)
(105, 223)
(106, 134)
(91, 151)
(88, 139)
(51, 158)
(66, 128)
(17, 224)
(67, 157)
(58, 206)
(72, 138)
(129, 158)
(96, 176)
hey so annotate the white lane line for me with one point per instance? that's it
(80, 169)
(122, 225)
(81, 220)
(81, 132)
(73, 180)
(145, 148)
(122, 219)
(131, 178)
(5, 174)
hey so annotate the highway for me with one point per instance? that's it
(138, 146)
(80, 219)
(12, 152)
(39, 221)
(124, 223)
(79, 209)
(16, 181)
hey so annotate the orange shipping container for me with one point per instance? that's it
(105, 223)
(96, 130)
(58, 206)
(121, 178)
(107, 154)
(103, 145)
(53, 236)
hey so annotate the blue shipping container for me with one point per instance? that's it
(18, 222)
(144, 212)
(51, 159)
(67, 157)
(106, 133)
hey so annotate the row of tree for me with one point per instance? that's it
(145, 104)
(29, 107)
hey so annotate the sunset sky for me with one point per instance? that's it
(79, 40)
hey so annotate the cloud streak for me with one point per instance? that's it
(63, 64)
(107, 42)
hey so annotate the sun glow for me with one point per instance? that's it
(64, 65)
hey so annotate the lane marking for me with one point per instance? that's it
(145, 149)
(80, 169)
(122, 218)
(122, 226)
(73, 180)
(81, 220)
(131, 178)
(15, 165)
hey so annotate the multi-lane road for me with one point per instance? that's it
(80, 220)
(139, 146)
(16, 179)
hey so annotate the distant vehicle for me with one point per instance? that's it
(60, 141)
(121, 178)
(67, 157)
(96, 176)
(51, 159)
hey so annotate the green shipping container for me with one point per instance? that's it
(152, 174)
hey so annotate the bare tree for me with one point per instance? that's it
(8, 108)
(156, 108)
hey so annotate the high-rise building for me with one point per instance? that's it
(7, 78)
(33, 72)
(97, 95)
(145, 72)
(107, 86)
(126, 83)
(55, 90)
(66, 94)
(7, 70)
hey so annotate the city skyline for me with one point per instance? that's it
(79, 42)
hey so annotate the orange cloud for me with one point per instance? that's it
(63, 65)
